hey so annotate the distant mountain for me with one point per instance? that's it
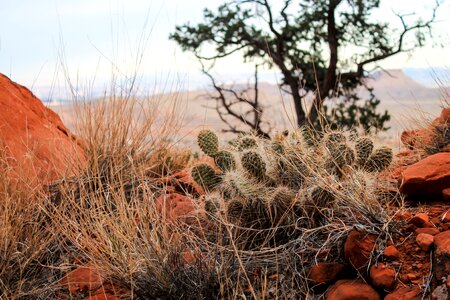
(396, 85)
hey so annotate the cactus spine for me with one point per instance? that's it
(205, 176)
(380, 159)
(254, 164)
(208, 141)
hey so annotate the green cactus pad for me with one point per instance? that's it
(208, 141)
(225, 161)
(235, 209)
(205, 176)
(247, 143)
(380, 159)
(363, 148)
(254, 164)
(309, 136)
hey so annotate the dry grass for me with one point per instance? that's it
(108, 216)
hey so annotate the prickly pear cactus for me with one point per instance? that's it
(205, 176)
(212, 203)
(225, 161)
(280, 203)
(380, 159)
(235, 210)
(363, 148)
(254, 164)
(208, 141)
(247, 143)
(309, 136)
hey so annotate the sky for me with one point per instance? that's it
(45, 43)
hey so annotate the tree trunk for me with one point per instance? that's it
(331, 78)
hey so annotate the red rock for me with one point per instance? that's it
(351, 290)
(324, 273)
(425, 241)
(83, 279)
(412, 138)
(445, 115)
(441, 263)
(446, 192)
(188, 257)
(445, 217)
(390, 252)
(428, 230)
(405, 293)
(428, 177)
(358, 248)
(38, 144)
(175, 206)
(421, 220)
(382, 277)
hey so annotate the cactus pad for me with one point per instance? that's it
(208, 141)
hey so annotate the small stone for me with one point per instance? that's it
(428, 230)
(421, 220)
(424, 241)
(382, 277)
(324, 273)
(357, 249)
(405, 293)
(391, 252)
(351, 289)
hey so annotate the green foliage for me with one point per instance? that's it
(205, 176)
(304, 40)
(225, 160)
(208, 141)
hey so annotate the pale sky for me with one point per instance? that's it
(86, 35)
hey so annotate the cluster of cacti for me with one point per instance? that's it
(261, 183)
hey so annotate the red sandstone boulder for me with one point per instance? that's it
(175, 207)
(442, 255)
(37, 144)
(428, 177)
(324, 273)
(357, 249)
(102, 297)
(83, 279)
(382, 277)
(351, 290)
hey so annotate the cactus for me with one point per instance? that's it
(212, 203)
(277, 147)
(333, 139)
(280, 202)
(205, 176)
(380, 159)
(235, 209)
(363, 148)
(254, 164)
(247, 143)
(225, 160)
(235, 185)
(309, 136)
(208, 141)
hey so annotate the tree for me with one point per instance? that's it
(303, 39)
